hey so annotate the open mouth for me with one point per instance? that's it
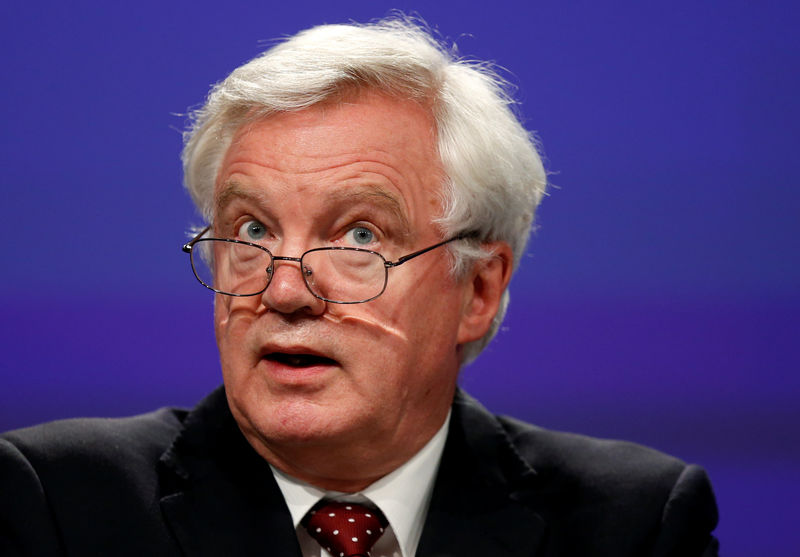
(299, 360)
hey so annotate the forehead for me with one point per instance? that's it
(330, 149)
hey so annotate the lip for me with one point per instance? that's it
(276, 362)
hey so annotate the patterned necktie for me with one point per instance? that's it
(345, 529)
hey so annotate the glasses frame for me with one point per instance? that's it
(189, 246)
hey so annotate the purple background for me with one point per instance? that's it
(660, 301)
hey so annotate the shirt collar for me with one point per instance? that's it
(402, 495)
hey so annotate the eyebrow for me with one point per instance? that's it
(376, 196)
(230, 192)
(359, 194)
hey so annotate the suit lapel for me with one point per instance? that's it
(482, 503)
(219, 495)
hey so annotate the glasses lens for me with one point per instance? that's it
(231, 267)
(344, 275)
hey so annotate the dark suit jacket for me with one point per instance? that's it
(187, 483)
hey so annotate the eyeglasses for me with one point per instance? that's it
(340, 275)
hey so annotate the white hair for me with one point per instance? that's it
(494, 175)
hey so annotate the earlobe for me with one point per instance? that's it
(488, 280)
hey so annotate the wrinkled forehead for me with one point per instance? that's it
(368, 121)
(373, 146)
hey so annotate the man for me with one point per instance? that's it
(368, 197)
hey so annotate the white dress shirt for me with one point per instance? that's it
(403, 496)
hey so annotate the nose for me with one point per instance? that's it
(287, 292)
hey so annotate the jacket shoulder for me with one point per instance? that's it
(649, 498)
(145, 436)
(79, 485)
(592, 461)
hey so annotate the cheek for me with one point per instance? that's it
(221, 313)
(437, 316)
(419, 326)
(232, 319)
(369, 336)
(373, 325)
(222, 318)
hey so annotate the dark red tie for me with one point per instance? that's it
(345, 529)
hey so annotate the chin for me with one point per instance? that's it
(292, 420)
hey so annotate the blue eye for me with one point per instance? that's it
(360, 236)
(252, 230)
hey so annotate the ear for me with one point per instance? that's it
(486, 282)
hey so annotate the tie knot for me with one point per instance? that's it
(345, 529)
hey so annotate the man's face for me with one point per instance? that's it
(302, 375)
